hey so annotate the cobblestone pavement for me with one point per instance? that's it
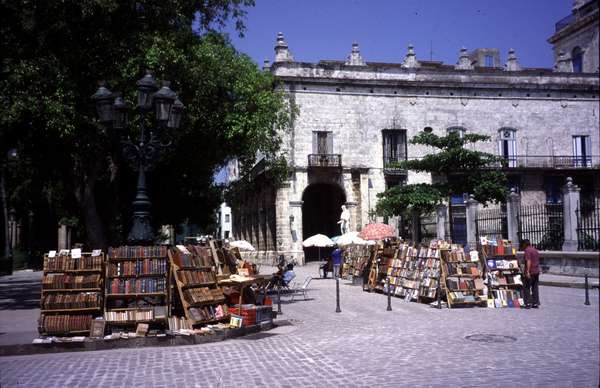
(364, 345)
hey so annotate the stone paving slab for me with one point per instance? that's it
(363, 346)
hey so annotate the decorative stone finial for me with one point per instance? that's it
(563, 63)
(266, 65)
(355, 59)
(464, 62)
(410, 60)
(512, 63)
(282, 54)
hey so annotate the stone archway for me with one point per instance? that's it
(321, 209)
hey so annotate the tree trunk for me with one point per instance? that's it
(96, 236)
(4, 214)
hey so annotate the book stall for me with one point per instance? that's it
(504, 274)
(356, 257)
(151, 291)
(490, 277)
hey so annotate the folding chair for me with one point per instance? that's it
(302, 289)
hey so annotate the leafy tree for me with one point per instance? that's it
(455, 169)
(54, 51)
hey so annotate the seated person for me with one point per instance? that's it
(288, 276)
(326, 267)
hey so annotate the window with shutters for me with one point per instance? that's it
(322, 142)
(582, 151)
(507, 145)
(394, 146)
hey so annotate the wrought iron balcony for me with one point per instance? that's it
(553, 162)
(390, 168)
(325, 160)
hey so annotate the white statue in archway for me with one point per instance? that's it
(344, 220)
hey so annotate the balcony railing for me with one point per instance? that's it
(553, 161)
(325, 160)
(390, 168)
(562, 23)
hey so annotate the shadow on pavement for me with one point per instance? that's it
(20, 295)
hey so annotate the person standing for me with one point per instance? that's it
(336, 258)
(532, 275)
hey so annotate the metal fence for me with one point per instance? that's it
(492, 224)
(542, 225)
(588, 226)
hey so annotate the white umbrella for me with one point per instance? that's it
(350, 238)
(318, 240)
(242, 245)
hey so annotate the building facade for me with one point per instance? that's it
(357, 117)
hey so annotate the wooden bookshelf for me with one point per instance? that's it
(504, 275)
(137, 284)
(71, 278)
(195, 276)
(461, 277)
(414, 273)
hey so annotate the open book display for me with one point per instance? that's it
(504, 275)
(356, 258)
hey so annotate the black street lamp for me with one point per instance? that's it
(142, 154)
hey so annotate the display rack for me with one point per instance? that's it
(414, 273)
(137, 286)
(461, 277)
(193, 269)
(355, 259)
(504, 275)
(71, 292)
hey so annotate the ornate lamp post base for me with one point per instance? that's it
(141, 231)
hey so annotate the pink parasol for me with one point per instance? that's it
(376, 232)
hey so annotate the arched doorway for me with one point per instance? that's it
(321, 209)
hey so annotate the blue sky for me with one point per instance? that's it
(325, 29)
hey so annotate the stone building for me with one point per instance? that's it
(356, 117)
(576, 37)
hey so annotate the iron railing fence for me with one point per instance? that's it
(542, 225)
(588, 226)
(492, 223)
(325, 160)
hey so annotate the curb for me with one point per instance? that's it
(94, 345)
(564, 284)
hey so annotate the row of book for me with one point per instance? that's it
(463, 268)
(136, 286)
(196, 277)
(158, 312)
(493, 247)
(58, 324)
(179, 323)
(193, 257)
(506, 298)
(66, 282)
(130, 252)
(203, 295)
(72, 301)
(209, 313)
(463, 297)
(140, 267)
(503, 278)
(68, 263)
(502, 264)
(461, 284)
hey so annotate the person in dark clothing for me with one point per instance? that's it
(532, 275)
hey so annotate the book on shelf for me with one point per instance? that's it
(136, 286)
(97, 328)
(63, 324)
(132, 252)
(71, 301)
(56, 281)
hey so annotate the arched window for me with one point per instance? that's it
(577, 59)
(507, 145)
